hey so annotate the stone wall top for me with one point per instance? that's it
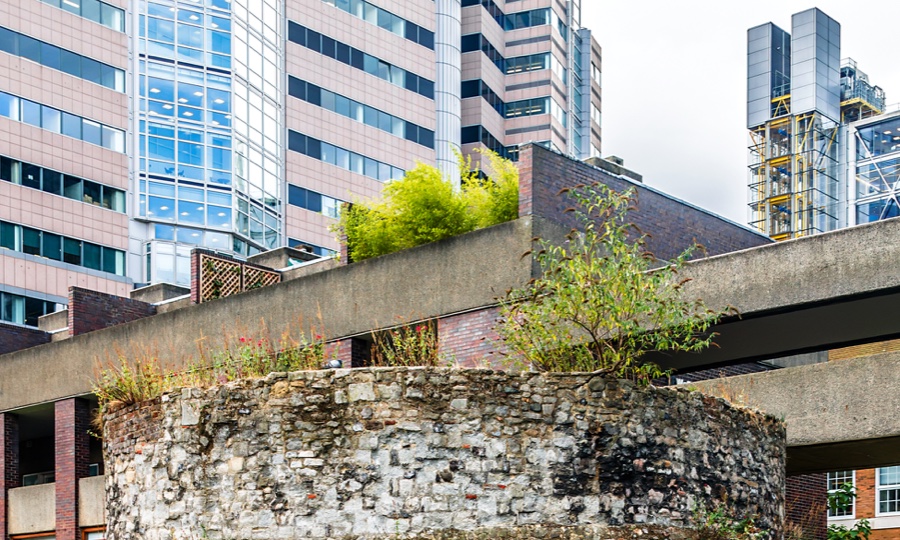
(370, 453)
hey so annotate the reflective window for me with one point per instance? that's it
(878, 139)
(72, 126)
(387, 20)
(360, 60)
(25, 310)
(316, 149)
(61, 59)
(93, 10)
(53, 246)
(360, 112)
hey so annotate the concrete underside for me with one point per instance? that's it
(839, 415)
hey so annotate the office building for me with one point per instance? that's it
(133, 131)
(803, 102)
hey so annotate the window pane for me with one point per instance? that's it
(113, 139)
(72, 251)
(73, 6)
(91, 132)
(31, 176)
(52, 246)
(52, 182)
(51, 119)
(9, 106)
(70, 62)
(92, 256)
(30, 48)
(31, 113)
(90, 9)
(91, 192)
(31, 241)
(9, 236)
(114, 199)
(71, 125)
(9, 41)
(72, 187)
(6, 168)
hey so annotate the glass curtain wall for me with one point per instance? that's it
(206, 175)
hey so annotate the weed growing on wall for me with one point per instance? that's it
(597, 305)
(143, 375)
(415, 345)
(423, 207)
(719, 523)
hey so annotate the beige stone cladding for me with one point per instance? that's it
(32, 274)
(310, 227)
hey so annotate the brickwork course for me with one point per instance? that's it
(92, 310)
(14, 337)
(9, 464)
(672, 225)
(72, 422)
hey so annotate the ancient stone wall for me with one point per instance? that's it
(435, 453)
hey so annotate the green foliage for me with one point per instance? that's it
(597, 305)
(719, 524)
(408, 346)
(144, 376)
(423, 207)
(840, 499)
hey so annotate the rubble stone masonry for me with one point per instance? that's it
(436, 453)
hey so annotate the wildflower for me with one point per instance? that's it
(243, 340)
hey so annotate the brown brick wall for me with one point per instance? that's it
(672, 224)
(858, 351)
(71, 425)
(9, 463)
(804, 505)
(469, 338)
(16, 338)
(92, 310)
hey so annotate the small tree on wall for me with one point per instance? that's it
(597, 305)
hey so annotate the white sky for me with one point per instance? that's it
(675, 84)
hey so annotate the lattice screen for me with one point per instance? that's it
(221, 277)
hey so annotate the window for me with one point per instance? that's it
(360, 60)
(836, 479)
(61, 59)
(887, 484)
(48, 118)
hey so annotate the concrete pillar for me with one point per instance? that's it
(9, 464)
(72, 421)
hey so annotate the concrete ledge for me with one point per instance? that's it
(32, 509)
(458, 274)
(839, 415)
(92, 501)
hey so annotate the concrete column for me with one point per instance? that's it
(72, 421)
(448, 87)
(9, 464)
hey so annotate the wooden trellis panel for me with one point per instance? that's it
(220, 277)
(255, 278)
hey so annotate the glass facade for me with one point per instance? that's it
(209, 130)
(877, 148)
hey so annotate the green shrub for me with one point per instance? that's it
(423, 207)
(597, 306)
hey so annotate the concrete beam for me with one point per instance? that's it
(810, 294)
(455, 275)
(839, 415)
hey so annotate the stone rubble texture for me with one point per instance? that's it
(436, 453)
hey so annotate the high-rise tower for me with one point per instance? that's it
(800, 97)
(135, 130)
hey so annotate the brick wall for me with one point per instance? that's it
(9, 463)
(805, 505)
(672, 224)
(71, 424)
(92, 310)
(352, 352)
(469, 338)
(868, 349)
(15, 338)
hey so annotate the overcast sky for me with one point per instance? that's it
(675, 84)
